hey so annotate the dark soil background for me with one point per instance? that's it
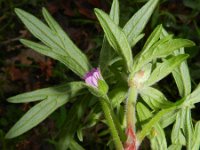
(22, 69)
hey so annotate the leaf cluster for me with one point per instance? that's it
(160, 56)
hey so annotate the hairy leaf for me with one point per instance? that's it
(157, 135)
(154, 98)
(115, 37)
(196, 137)
(107, 53)
(181, 73)
(56, 40)
(41, 111)
(165, 68)
(138, 21)
(41, 94)
(160, 49)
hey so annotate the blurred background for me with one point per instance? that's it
(22, 69)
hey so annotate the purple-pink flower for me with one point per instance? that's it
(92, 77)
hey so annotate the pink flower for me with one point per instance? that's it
(92, 77)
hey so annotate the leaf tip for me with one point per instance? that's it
(44, 10)
(17, 10)
(97, 11)
(8, 135)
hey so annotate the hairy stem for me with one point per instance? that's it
(108, 115)
(131, 118)
(130, 108)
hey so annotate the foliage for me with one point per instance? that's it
(126, 82)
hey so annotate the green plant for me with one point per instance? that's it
(122, 82)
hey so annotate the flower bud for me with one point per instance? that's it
(96, 83)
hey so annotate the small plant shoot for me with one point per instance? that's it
(122, 91)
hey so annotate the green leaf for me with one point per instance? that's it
(93, 116)
(115, 37)
(177, 136)
(158, 140)
(165, 68)
(138, 21)
(56, 40)
(40, 30)
(69, 47)
(117, 96)
(114, 11)
(74, 145)
(143, 113)
(136, 40)
(36, 115)
(153, 38)
(154, 98)
(106, 55)
(196, 137)
(157, 135)
(181, 73)
(182, 76)
(175, 147)
(160, 49)
(107, 51)
(41, 111)
(172, 45)
(68, 61)
(148, 126)
(41, 94)
(168, 119)
(188, 127)
(71, 125)
(194, 97)
(80, 134)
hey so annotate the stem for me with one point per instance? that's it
(130, 110)
(110, 121)
(131, 141)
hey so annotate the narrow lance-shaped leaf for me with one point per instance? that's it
(175, 147)
(188, 127)
(196, 137)
(136, 24)
(115, 37)
(114, 11)
(117, 96)
(151, 123)
(40, 30)
(153, 38)
(39, 112)
(177, 136)
(194, 97)
(75, 145)
(165, 68)
(69, 47)
(36, 115)
(157, 135)
(181, 73)
(68, 61)
(41, 94)
(168, 119)
(70, 126)
(107, 53)
(58, 42)
(182, 76)
(160, 49)
(154, 98)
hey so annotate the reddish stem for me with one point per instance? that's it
(130, 143)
